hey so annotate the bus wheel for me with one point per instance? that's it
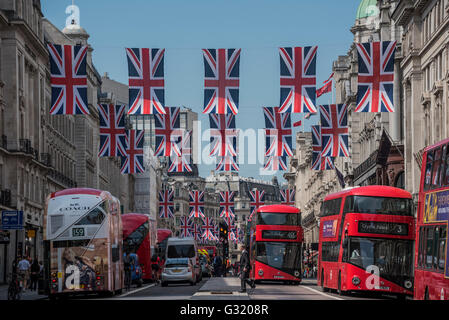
(426, 294)
(340, 293)
(324, 289)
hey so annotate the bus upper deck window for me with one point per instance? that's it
(445, 171)
(428, 177)
(436, 169)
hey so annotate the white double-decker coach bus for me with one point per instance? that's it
(83, 242)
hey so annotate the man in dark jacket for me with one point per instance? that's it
(245, 267)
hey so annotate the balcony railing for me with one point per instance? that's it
(45, 159)
(58, 176)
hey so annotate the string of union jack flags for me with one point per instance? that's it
(298, 94)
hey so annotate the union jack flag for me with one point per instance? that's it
(241, 235)
(227, 204)
(146, 80)
(221, 80)
(228, 220)
(223, 134)
(227, 163)
(334, 130)
(181, 159)
(278, 132)
(186, 227)
(112, 130)
(274, 163)
(196, 204)
(68, 79)
(288, 197)
(197, 232)
(319, 162)
(166, 204)
(298, 79)
(165, 126)
(376, 76)
(257, 200)
(216, 232)
(208, 229)
(133, 161)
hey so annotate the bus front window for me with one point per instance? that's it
(282, 256)
(392, 257)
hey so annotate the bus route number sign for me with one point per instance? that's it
(78, 232)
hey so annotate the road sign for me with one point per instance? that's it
(12, 220)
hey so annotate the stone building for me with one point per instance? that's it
(424, 79)
(40, 153)
(27, 172)
(386, 148)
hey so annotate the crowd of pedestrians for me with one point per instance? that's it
(28, 271)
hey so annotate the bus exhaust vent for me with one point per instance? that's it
(56, 222)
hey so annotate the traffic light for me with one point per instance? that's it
(223, 231)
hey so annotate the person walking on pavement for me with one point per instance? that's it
(35, 269)
(24, 270)
(245, 267)
(217, 266)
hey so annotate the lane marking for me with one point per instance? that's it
(137, 290)
(322, 293)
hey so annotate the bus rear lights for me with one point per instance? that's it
(260, 272)
(408, 284)
(355, 280)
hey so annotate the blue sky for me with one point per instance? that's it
(183, 28)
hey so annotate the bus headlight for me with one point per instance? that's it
(260, 272)
(408, 284)
(355, 280)
(296, 273)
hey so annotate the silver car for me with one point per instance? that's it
(177, 270)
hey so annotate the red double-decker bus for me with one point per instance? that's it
(366, 241)
(136, 238)
(162, 237)
(431, 258)
(276, 238)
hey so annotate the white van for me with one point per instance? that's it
(184, 248)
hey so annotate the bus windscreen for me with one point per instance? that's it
(280, 255)
(393, 257)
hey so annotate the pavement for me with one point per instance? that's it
(27, 295)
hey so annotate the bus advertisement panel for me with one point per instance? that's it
(431, 250)
(275, 240)
(366, 240)
(83, 234)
